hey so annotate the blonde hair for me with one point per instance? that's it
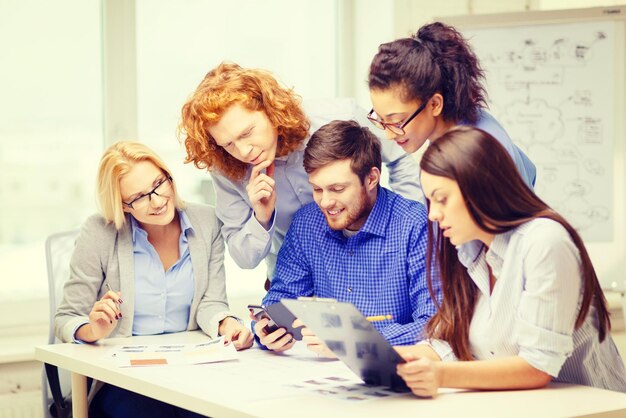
(116, 162)
(254, 89)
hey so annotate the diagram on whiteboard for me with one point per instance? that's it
(551, 87)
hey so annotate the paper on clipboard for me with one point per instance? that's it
(352, 338)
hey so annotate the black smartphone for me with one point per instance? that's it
(259, 312)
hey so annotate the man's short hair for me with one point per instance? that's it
(340, 140)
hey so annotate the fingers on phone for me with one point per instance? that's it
(259, 328)
(284, 343)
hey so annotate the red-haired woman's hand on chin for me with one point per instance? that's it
(423, 376)
(262, 193)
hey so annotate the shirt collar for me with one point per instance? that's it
(185, 226)
(469, 252)
(500, 244)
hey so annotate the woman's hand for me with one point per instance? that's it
(262, 193)
(235, 332)
(421, 374)
(102, 318)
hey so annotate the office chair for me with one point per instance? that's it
(55, 383)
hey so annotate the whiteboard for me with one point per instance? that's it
(555, 81)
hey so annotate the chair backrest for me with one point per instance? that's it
(59, 249)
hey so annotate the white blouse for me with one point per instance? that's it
(533, 308)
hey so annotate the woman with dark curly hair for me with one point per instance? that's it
(250, 132)
(424, 85)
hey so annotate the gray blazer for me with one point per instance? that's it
(105, 255)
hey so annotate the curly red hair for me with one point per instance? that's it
(254, 89)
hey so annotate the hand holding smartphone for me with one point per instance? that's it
(259, 312)
(279, 317)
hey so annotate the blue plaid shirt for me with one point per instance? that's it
(381, 269)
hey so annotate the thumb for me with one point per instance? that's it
(269, 171)
(234, 335)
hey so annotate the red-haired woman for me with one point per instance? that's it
(250, 132)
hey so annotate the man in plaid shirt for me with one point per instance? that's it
(359, 242)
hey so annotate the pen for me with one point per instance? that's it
(111, 290)
(379, 318)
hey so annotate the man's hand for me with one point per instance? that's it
(313, 343)
(278, 340)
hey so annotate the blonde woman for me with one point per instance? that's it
(148, 264)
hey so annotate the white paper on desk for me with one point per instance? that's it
(172, 354)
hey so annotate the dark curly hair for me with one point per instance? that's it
(437, 59)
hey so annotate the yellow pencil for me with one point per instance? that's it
(379, 318)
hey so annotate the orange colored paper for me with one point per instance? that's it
(147, 361)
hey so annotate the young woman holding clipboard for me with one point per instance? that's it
(528, 309)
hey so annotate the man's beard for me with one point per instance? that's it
(353, 213)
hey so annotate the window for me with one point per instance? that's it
(50, 132)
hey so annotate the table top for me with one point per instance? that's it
(260, 384)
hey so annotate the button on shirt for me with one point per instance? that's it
(162, 298)
(533, 306)
(381, 269)
(248, 242)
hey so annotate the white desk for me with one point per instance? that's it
(230, 389)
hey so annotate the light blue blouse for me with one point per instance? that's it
(162, 298)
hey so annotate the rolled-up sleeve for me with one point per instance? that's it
(549, 302)
(441, 347)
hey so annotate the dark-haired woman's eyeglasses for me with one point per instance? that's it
(398, 127)
(160, 189)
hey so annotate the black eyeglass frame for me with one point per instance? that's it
(149, 194)
(399, 125)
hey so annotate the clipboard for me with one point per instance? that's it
(352, 338)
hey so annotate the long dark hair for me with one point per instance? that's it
(497, 200)
(437, 59)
